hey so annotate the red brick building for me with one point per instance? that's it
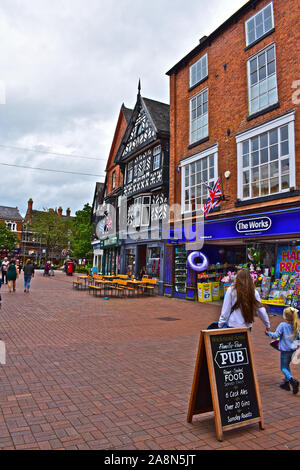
(32, 245)
(106, 245)
(234, 114)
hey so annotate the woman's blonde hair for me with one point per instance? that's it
(290, 314)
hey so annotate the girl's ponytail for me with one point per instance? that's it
(291, 315)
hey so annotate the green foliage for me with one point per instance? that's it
(53, 230)
(82, 232)
(8, 239)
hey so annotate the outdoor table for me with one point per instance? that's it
(135, 283)
(83, 278)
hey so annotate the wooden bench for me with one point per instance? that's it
(95, 289)
(125, 286)
(77, 285)
(149, 284)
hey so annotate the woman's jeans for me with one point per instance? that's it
(285, 360)
(27, 280)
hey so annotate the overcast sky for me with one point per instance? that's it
(66, 67)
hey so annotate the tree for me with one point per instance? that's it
(82, 232)
(8, 239)
(54, 231)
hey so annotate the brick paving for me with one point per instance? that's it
(85, 373)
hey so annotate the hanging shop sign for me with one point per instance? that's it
(288, 260)
(225, 380)
(109, 242)
(257, 225)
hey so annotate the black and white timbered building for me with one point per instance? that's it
(144, 160)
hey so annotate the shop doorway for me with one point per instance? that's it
(142, 251)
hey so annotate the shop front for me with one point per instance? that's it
(144, 258)
(111, 255)
(267, 243)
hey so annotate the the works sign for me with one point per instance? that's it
(255, 225)
(259, 224)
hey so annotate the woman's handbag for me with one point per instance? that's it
(275, 343)
(214, 326)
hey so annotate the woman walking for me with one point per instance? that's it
(242, 303)
(12, 274)
(28, 274)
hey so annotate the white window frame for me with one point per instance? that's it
(156, 157)
(139, 207)
(191, 120)
(248, 43)
(264, 50)
(213, 150)
(194, 66)
(12, 226)
(289, 119)
(129, 171)
(113, 179)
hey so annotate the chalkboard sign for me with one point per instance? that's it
(225, 380)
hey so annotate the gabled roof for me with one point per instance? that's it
(10, 213)
(124, 118)
(158, 115)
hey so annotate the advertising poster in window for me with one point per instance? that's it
(288, 260)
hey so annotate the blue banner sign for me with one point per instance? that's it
(275, 223)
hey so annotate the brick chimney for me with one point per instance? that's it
(29, 207)
(68, 212)
(59, 211)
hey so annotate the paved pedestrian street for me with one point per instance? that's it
(89, 373)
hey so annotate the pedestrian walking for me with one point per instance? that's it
(47, 268)
(241, 304)
(12, 274)
(20, 266)
(28, 274)
(4, 268)
(288, 333)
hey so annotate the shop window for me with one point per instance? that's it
(198, 71)
(199, 116)
(153, 262)
(259, 24)
(156, 157)
(266, 159)
(195, 171)
(262, 80)
(130, 261)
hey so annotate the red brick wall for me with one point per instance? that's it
(111, 167)
(228, 95)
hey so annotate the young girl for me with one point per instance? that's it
(287, 332)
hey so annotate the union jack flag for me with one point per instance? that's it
(214, 198)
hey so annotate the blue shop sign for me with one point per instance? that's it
(286, 222)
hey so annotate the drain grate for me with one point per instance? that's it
(168, 319)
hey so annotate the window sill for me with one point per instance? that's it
(263, 111)
(272, 197)
(198, 83)
(259, 39)
(199, 142)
